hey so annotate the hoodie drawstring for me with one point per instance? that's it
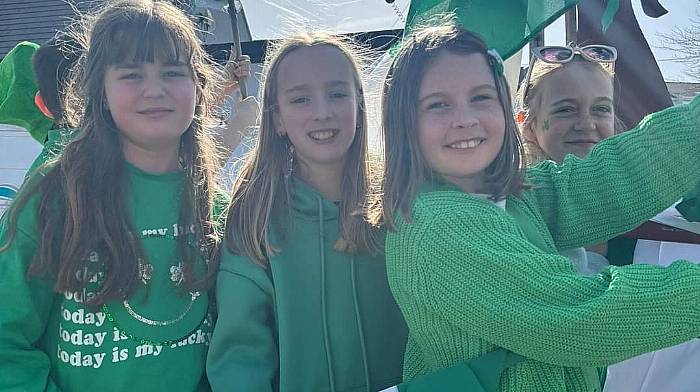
(358, 319)
(326, 340)
(360, 329)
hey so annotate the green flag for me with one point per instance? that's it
(506, 25)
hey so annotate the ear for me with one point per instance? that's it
(279, 127)
(39, 102)
(527, 127)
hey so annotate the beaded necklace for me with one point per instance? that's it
(145, 275)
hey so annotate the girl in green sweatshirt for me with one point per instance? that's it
(472, 251)
(302, 296)
(105, 254)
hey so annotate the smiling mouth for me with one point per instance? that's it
(155, 111)
(323, 134)
(582, 142)
(465, 144)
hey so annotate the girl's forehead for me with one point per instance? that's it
(314, 65)
(455, 70)
(575, 82)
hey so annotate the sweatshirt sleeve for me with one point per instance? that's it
(243, 352)
(626, 180)
(472, 265)
(24, 314)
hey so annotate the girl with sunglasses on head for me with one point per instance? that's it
(472, 247)
(566, 105)
(567, 101)
(106, 255)
(568, 96)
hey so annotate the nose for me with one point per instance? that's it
(585, 123)
(153, 87)
(322, 109)
(464, 118)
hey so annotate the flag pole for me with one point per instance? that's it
(233, 13)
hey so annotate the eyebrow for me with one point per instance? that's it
(573, 101)
(138, 64)
(486, 86)
(302, 87)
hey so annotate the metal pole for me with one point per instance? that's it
(233, 13)
(571, 22)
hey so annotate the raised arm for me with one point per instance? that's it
(473, 267)
(626, 180)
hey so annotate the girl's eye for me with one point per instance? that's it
(482, 98)
(603, 109)
(437, 106)
(298, 100)
(174, 74)
(128, 76)
(339, 95)
(564, 110)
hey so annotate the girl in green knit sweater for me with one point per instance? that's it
(472, 249)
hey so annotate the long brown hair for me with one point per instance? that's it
(82, 203)
(260, 194)
(405, 167)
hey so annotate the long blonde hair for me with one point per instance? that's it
(260, 196)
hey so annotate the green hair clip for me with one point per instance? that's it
(495, 61)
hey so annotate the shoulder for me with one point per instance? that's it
(234, 267)
(441, 215)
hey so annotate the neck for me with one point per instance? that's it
(467, 184)
(324, 178)
(155, 161)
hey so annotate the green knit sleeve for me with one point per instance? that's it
(243, 350)
(26, 307)
(626, 180)
(467, 261)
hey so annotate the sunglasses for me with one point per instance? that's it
(606, 55)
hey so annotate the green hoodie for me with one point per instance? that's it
(51, 341)
(315, 320)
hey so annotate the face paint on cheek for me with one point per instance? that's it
(545, 125)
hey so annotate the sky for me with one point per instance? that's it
(276, 18)
(680, 13)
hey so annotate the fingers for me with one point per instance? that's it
(238, 69)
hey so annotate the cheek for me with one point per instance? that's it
(290, 119)
(607, 128)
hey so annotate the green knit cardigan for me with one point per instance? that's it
(470, 276)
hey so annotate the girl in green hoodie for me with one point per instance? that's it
(472, 247)
(105, 254)
(302, 297)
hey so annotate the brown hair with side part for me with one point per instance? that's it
(405, 167)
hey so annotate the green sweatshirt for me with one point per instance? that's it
(51, 341)
(315, 320)
(470, 277)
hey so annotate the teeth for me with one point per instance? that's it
(471, 143)
(322, 135)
